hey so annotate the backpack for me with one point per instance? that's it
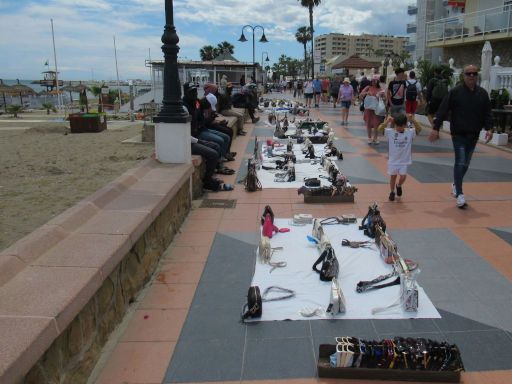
(440, 89)
(411, 91)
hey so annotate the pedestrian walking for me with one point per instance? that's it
(317, 91)
(326, 85)
(399, 153)
(370, 97)
(308, 92)
(335, 89)
(396, 93)
(437, 89)
(346, 99)
(470, 110)
(412, 94)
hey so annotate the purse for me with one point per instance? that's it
(311, 182)
(330, 266)
(317, 231)
(409, 293)
(388, 249)
(370, 102)
(265, 250)
(337, 300)
(254, 306)
(381, 108)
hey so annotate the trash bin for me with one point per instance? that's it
(87, 122)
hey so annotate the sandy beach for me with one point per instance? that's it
(44, 170)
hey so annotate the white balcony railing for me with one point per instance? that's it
(471, 24)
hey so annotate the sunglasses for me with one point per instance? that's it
(471, 73)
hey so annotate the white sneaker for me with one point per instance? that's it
(461, 201)
(454, 191)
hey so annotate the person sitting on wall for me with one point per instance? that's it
(209, 151)
(210, 94)
(225, 108)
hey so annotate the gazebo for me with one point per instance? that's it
(353, 64)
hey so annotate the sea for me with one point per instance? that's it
(37, 100)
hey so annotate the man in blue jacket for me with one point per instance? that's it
(470, 109)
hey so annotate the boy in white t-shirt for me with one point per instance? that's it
(400, 152)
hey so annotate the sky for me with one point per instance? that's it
(85, 29)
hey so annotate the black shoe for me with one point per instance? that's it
(392, 196)
(241, 133)
(399, 190)
(255, 120)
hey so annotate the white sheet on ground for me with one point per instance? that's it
(355, 265)
(303, 167)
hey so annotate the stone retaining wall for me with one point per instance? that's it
(67, 285)
(72, 356)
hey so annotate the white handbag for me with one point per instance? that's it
(337, 302)
(381, 108)
(370, 102)
(317, 231)
(265, 250)
(409, 292)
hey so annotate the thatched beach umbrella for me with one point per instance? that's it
(22, 90)
(3, 90)
(79, 88)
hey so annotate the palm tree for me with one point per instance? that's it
(225, 47)
(208, 52)
(14, 110)
(303, 35)
(310, 4)
(48, 106)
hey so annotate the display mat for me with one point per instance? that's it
(303, 167)
(311, 293)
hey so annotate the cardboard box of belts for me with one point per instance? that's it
(404, 359)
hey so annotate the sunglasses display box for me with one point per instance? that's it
(325, 370)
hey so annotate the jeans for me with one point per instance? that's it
(209, 155)
(215, 136)
(463, 146)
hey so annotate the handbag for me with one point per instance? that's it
(370, 102)
(337, 300)
(311, 182)
(330, 266)
(381, 108)
(254, 306)
(317, 231)
(409, 293)
(265, 250)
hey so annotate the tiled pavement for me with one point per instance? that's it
(185, 327)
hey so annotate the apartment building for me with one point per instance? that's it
(339, 44)
(466, 25)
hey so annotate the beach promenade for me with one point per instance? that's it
(185, 325)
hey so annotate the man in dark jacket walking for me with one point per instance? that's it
(470, 109)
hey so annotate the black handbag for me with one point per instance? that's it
(311, 182)
(330, 266)
(254, 306)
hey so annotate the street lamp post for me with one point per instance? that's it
(263, 65)
(172, 131)
(262, 40)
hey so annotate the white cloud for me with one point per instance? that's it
(84, 29)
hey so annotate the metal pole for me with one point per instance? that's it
(253, 64)
(117, 73)
(56, 71)
(172, 106)
(132, 116)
